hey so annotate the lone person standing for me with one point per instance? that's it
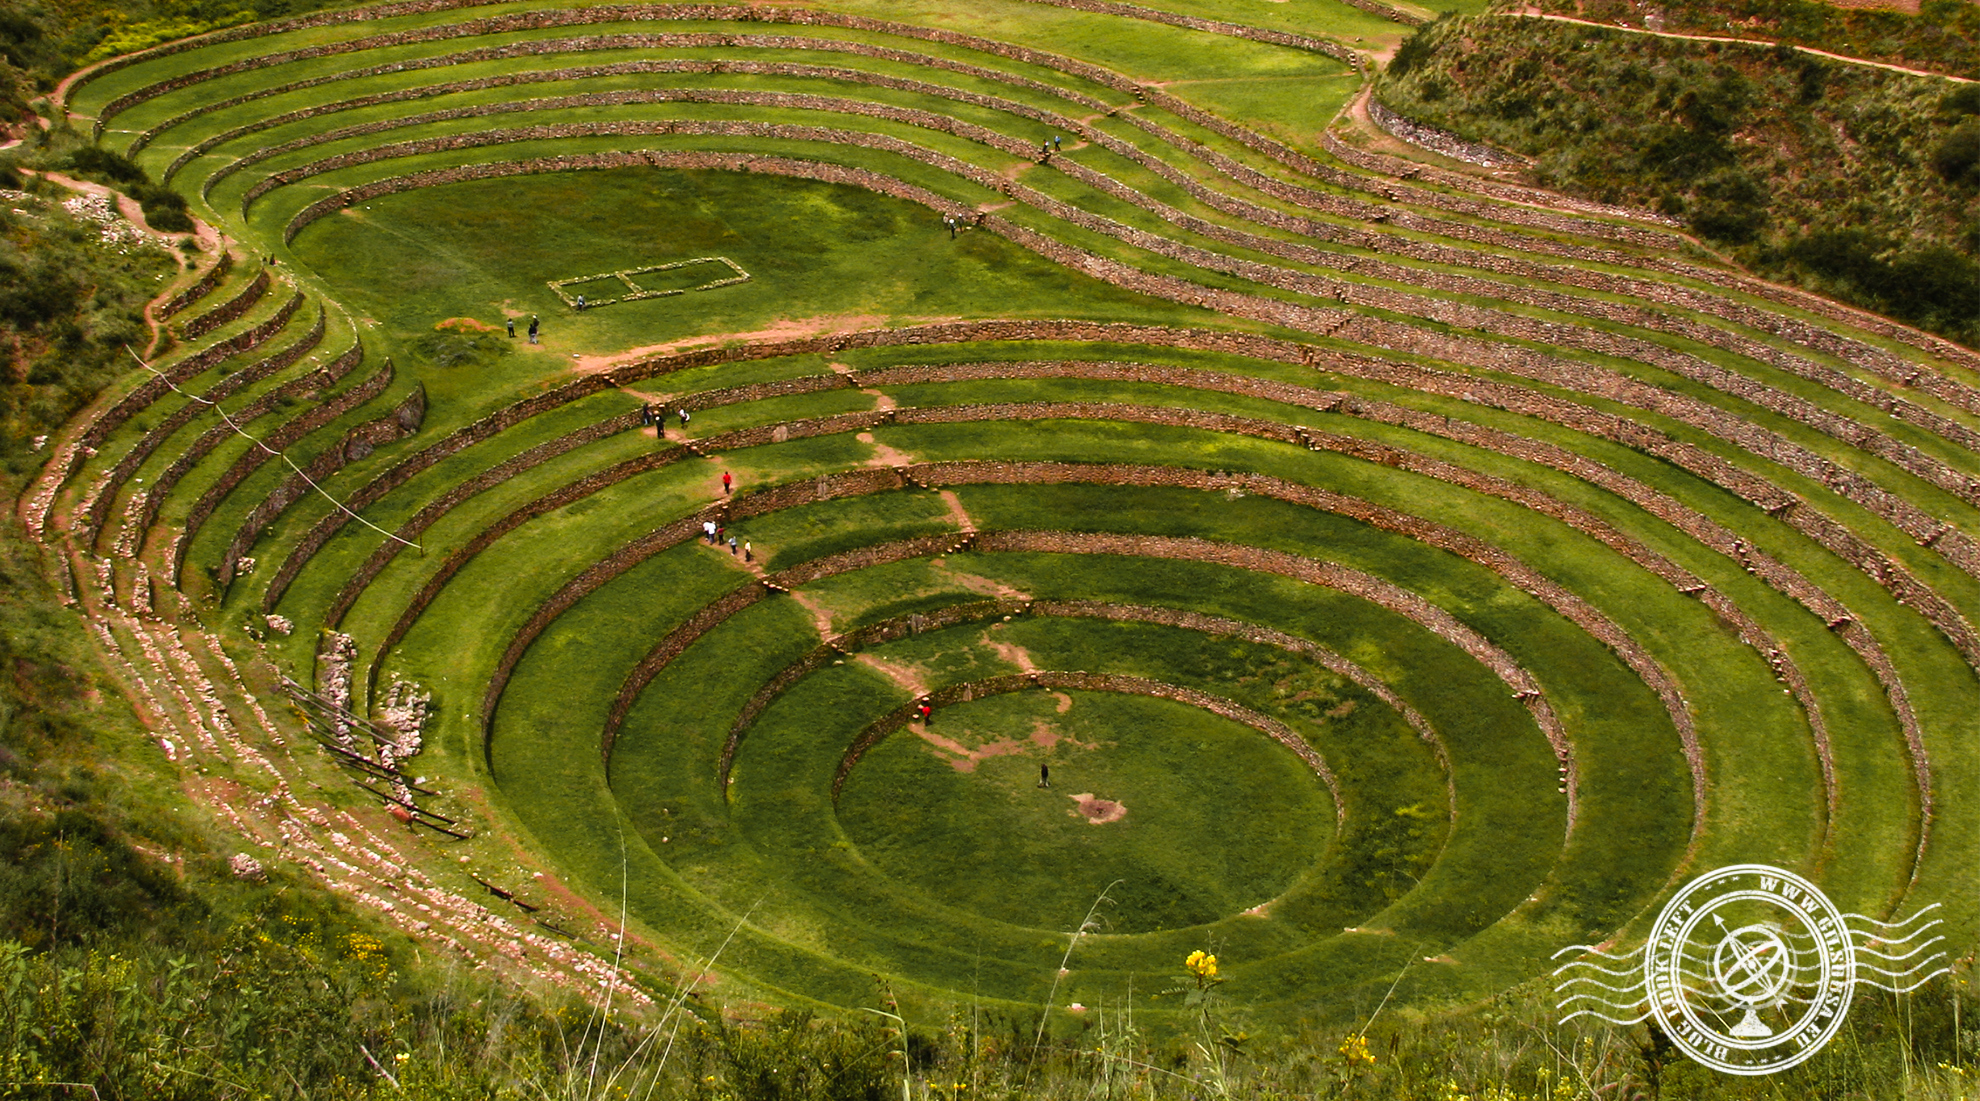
(532, 329)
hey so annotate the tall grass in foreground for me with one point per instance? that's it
(264, 1018)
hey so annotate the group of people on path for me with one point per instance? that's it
(655, 416)
(532, 329)
(956, 223)
(717, 536)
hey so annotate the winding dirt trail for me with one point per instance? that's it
(209, 239)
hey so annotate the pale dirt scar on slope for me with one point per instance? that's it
(820, 618)
(977, 584)
(964, 759)
(1097, 811)
(882, 454)
(961, 757)
(957, 512)
(907, 676)
(1020, 657)
(790, 329)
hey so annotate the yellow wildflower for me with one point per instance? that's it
(1355, 1053)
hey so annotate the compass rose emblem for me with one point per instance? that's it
(1750, 969)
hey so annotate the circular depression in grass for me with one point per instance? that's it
(1191, 816)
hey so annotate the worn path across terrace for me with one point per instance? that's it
(1810, 50)
(790, 329)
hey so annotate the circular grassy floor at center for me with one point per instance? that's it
(1197, 817)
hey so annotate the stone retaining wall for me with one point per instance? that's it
(260, 30)
(594, 43)
(358, 443)
(1541, 219)
(355, 585)
(484, 429)
(227, 311)
(1661, 293)
(97, 429)
(275, 442)
(1442, 142)
(146, 505)
(1235, 30)
(207, 281)
(899, 627)
(1729, 279)
(1384, 165)
(1328, 575)
(1747, 629)
(1542, 367)
(1468, 388)
(1906, 589)
(1337, 205)
(95, 510)
(1744, 626)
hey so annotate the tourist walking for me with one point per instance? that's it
(727, 481)
(512, 328)
(532, 329)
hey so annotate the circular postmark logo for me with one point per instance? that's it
(1749, 970)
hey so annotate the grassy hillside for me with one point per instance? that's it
(1853, 181)
(1943, 36)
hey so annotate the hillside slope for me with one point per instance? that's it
(1853, 181)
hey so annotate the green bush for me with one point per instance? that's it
(164, 208)
(458, 349)
(109, 167)
(1958, 157)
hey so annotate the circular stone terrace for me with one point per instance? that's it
(1144, 487)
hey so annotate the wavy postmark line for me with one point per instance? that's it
(1583, 992)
